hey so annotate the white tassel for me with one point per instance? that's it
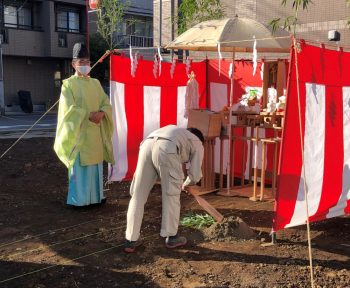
(255, 57)
(220, 57)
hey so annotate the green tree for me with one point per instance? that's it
(109, 17)
(290, 22)
(192, 12)
(98, 47)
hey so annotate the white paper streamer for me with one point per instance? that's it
(132, 66)
(220, 57)
(262, 71)
(255, 57)
(172, 68)
(136, 61)
(188, 65)
(230, 70)
(160, 61)
(155, 66)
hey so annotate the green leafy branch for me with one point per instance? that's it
(197, 221)
(290, 22)
(192, 12)
(109, 17)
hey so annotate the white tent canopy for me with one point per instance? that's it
(233, 34)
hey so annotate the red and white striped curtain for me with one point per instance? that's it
(324, 81)
(144, 103)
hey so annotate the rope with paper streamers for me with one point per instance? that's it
(104, 56)
(239, 41)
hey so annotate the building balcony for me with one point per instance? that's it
(22, 42)
(22, 27)
(124, 41)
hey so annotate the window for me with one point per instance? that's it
(3, 36)
(62, 40)
(68, 20)
(141, 26)
(18, 17)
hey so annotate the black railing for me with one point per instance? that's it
(70, 30)
(124, 41)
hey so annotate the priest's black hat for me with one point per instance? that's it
(80, 51)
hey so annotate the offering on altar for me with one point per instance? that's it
(249, 102)
(272, 99)
(281, 103)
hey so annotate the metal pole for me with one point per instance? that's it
(228, 176)
(87, 26)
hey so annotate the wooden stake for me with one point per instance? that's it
(262, 177)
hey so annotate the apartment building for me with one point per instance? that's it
(37, 37)
(322, 16)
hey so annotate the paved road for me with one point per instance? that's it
(13, 126)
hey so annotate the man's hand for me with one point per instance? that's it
(186, 189)
(96, 117)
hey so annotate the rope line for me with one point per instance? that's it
(17, 120)
(303, 167)
(66, 262)
(104, 250)
(70, 240)
(46, 233)
(326, 44)
(112, 229)
(223, 42)
(252, 40)
(36, 122)
(30, 128)
(56, 230)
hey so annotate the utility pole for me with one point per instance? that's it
(2, 93)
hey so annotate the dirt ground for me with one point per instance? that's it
(45, 243)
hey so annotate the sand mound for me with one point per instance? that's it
(230, 229)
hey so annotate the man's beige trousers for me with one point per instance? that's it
(158, 158)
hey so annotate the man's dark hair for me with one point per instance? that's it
(197, 132)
